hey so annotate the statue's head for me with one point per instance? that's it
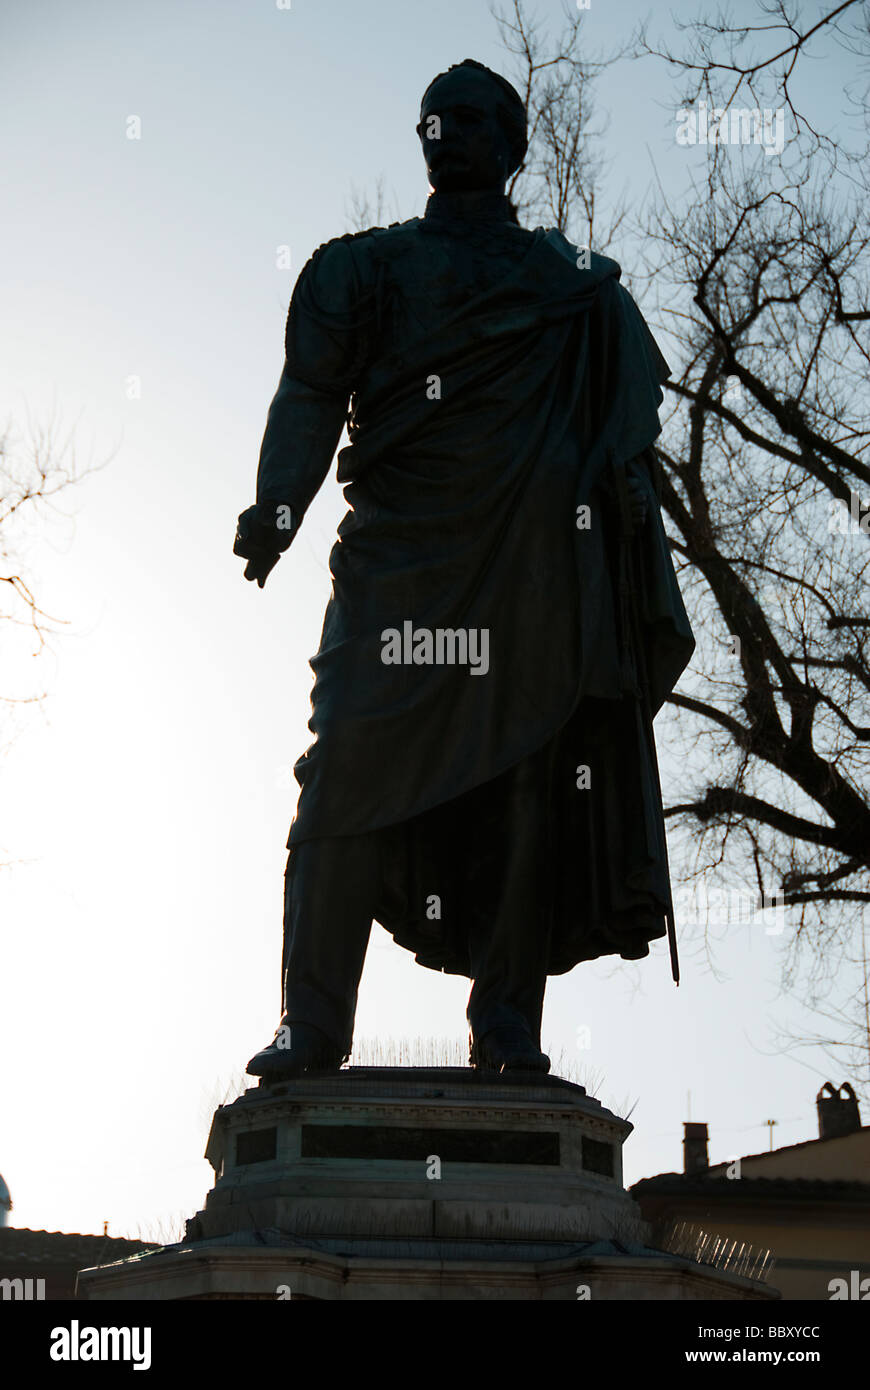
(472, 129)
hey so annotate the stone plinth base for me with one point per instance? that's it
(416, 1183)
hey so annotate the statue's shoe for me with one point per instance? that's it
(507, 1049)
(296, 1048)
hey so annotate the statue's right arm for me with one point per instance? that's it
(308, 410)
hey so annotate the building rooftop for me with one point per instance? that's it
(760, 1189)
(26, 1247)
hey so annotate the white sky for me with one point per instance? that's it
(148, 803)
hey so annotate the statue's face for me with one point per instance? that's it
(463, 141)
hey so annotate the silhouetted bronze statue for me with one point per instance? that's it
(505, 618)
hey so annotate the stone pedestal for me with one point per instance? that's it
(416, 1183)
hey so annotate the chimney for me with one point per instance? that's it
(695, 1157)
(838, 1112)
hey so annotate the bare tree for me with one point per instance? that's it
(840, 1001)
(725, 64)
(364, 211)
(38, 462)
(763, 279)
(561, 181)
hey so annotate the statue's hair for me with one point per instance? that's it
(511, 110)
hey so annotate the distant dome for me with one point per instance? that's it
(5, 1202)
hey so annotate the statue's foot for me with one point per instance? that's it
(297, 1048)
(508, 1049)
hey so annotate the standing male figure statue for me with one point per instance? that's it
(505, 618)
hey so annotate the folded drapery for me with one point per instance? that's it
(496, 379)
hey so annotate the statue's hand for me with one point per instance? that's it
(263, 533)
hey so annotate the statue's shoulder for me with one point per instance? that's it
(345, 271)
(368, 242)
(600, 267)
(394, 231)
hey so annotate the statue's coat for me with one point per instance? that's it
(495, 389)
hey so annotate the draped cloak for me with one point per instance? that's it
(497, 381)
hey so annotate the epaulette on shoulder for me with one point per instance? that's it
(364, 232)
(381, 240)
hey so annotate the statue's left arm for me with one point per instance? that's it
(309, 408)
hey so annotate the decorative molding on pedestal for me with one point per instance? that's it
(416, 1183)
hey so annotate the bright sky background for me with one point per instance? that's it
(147, 804)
